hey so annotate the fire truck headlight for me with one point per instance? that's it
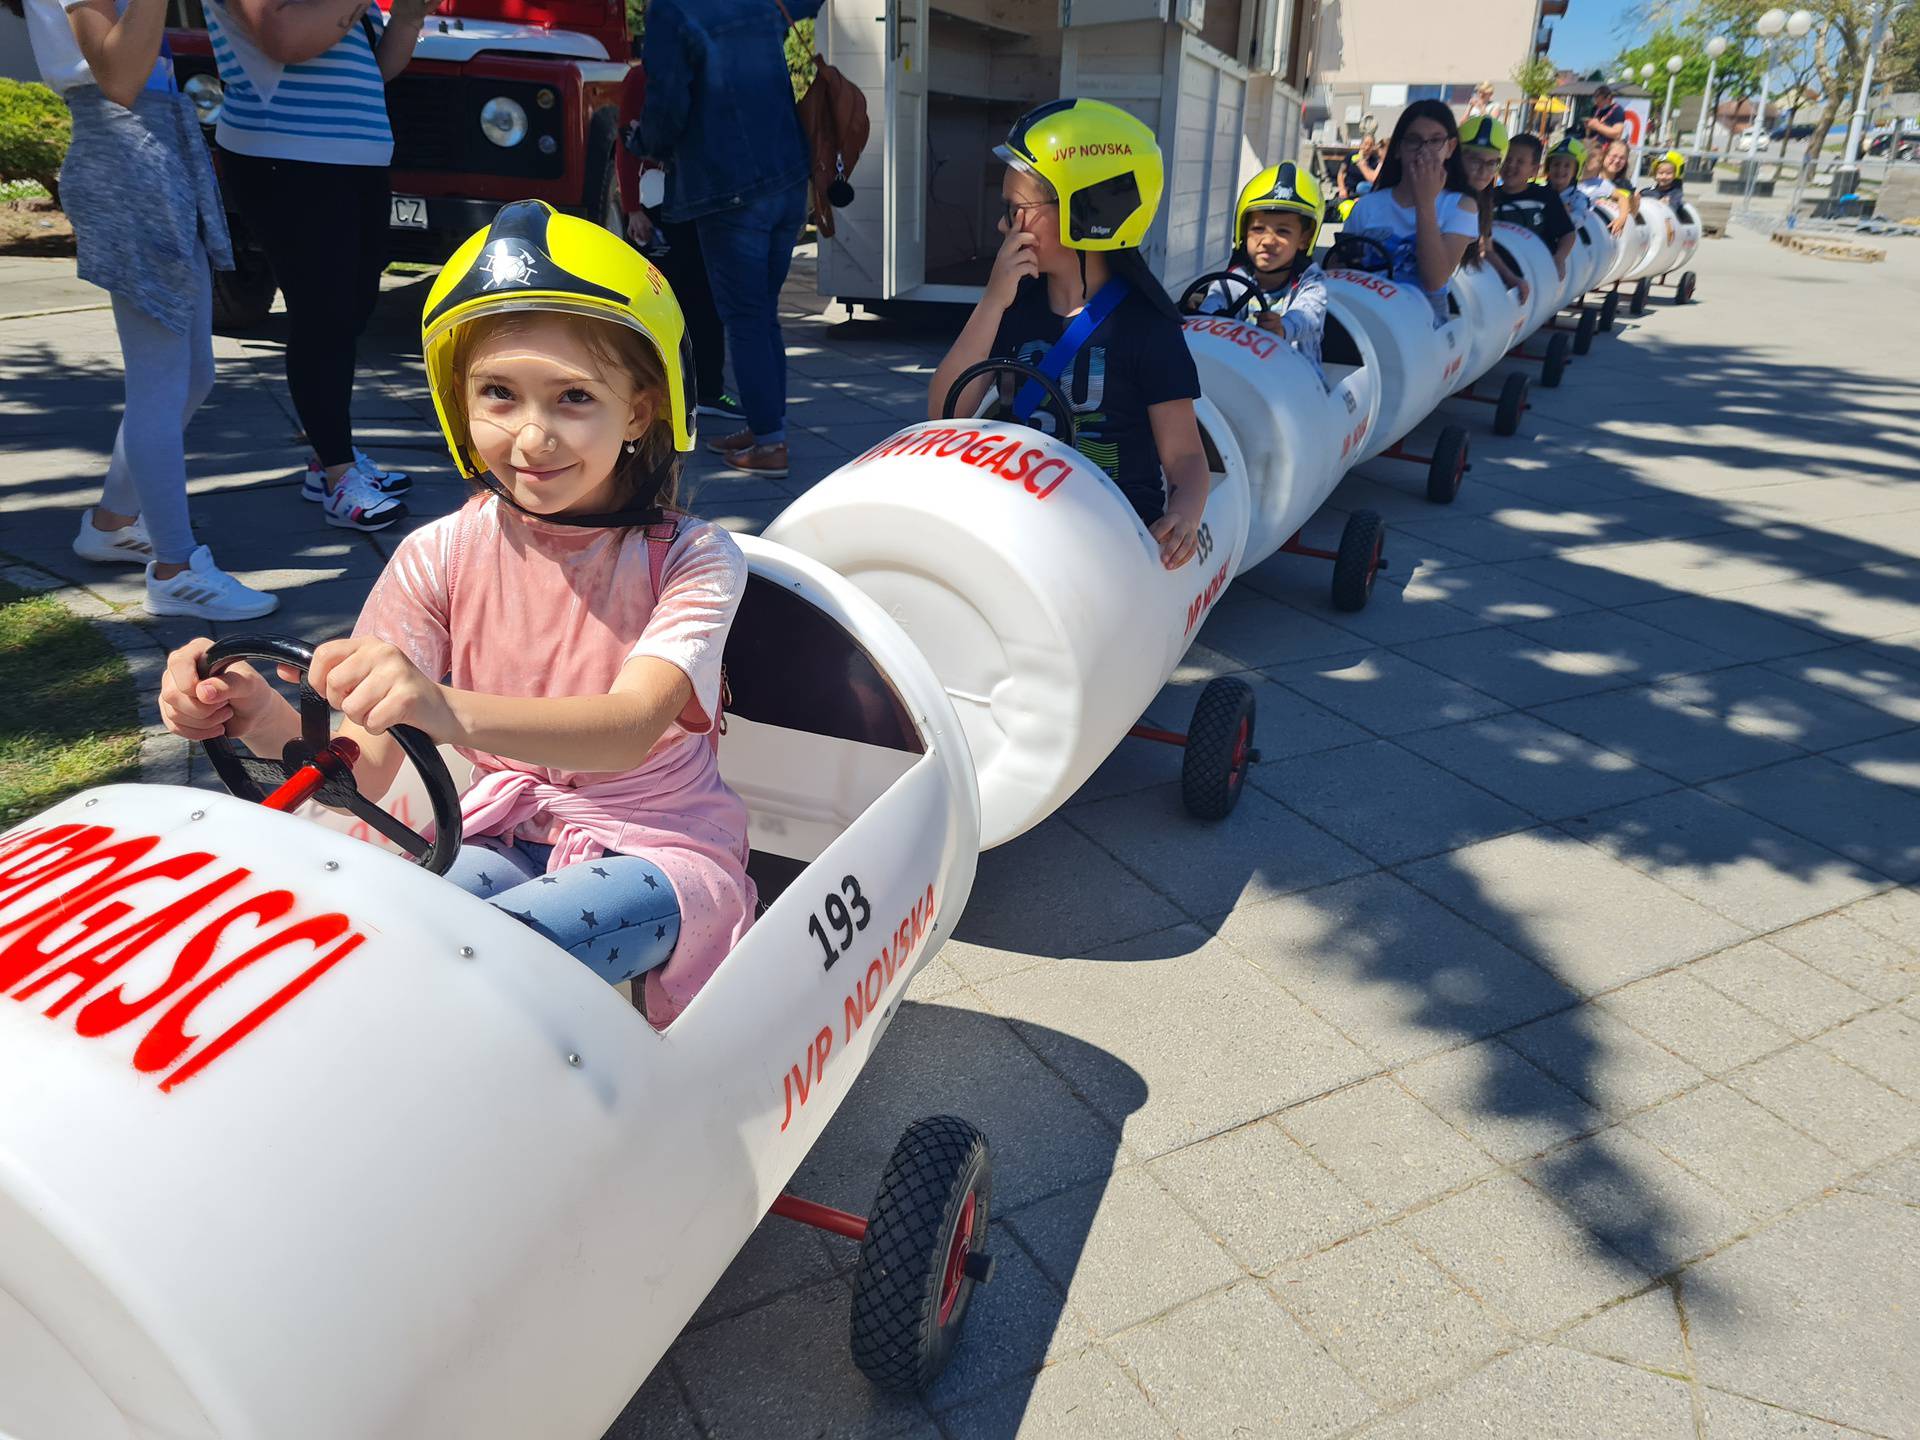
(207, 96)
(503, 121)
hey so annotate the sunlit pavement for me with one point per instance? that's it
(1535, 1052)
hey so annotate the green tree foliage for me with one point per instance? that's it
(35, 126)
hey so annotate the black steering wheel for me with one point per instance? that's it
(1228, 277)
(318, 765)
(1343, 256)
(1055, 399)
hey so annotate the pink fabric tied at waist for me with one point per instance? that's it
(716, 896)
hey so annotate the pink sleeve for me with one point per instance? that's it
(699, 592)
(408, 607)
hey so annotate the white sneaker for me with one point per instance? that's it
(393, 483)
(128, 545)
(357, 503)
(206, 592)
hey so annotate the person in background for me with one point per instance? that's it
(1360, 169)
(719, 115)
(1482, 101)
(304, 148)
(146, 213)
(675, 248)
(1608, 120)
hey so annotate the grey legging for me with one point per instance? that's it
(168, 375)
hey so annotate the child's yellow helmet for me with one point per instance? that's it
(1675, 159)
(534, 258)
(1281, 187)
(1483, 132)
(1103, 165)
(1576, 150)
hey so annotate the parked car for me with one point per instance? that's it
(1902, 141)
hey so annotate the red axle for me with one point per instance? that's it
(339, 757)
(819, 1217)
(1294, 547)
(1164, 737)
(1397, 451)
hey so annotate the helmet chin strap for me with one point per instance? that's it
(640, 517)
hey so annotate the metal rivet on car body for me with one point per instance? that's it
(198, 815)
(466, 952)
(572, 1058)
(331, 865)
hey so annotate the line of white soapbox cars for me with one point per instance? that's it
(298, 1142)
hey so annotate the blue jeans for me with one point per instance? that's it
(749, 249)
(617, 915)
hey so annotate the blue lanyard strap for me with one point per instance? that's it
(1054, 363)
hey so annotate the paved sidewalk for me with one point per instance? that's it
(1535, 1052)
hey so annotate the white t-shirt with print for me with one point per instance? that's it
(1380, 217)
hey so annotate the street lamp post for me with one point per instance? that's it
(1768, 27)
(1857, 127)
(1674, 66)
(1716, 47)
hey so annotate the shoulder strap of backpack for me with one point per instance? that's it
(1079, 329)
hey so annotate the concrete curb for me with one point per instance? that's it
(163, 757)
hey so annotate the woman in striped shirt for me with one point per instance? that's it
(304, 148)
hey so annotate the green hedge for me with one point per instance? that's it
(34, 130)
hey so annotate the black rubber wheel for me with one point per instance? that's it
(1513, 404)
(1449, 465)
(1638, 305)
(1360, 558)
(1683, 292)
(923, 1254)
(1609, 310)
(1554, 367)
(1219, 749)
(1583, 332)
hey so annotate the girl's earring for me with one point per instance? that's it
(630, 446)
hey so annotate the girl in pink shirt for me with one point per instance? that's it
(564, 628)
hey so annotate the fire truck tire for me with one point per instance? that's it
(243, 296)
(601, 200)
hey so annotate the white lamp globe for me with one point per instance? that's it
(1646, 71)
(1676, 65)
(1771, 23)
(1799, 23)
(1717, 46)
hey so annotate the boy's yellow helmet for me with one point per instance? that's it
(1103, 165)
(1675, 159)
(1576, 150)
(1281, 187)
(532, 258)
(1483, 132)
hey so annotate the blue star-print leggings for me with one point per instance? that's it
(617, 914)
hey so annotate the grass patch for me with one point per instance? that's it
(71, 717)
(11, 190)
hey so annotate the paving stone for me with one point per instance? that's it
(1734, 629)
(1653, 725)
(1637, 1200)
(1615, 645)
(1696, 1022)
(1847, 950)
(1587, 583)
(1090, 1242)
(1754, 873)
(1543, 769)
(1816, 1314)
(1885, 1044)
(1758, 1162)
(802, 1377)
(1285, 723)
(1386, 802)
(778, 1256)
(1087, 1395)
(1836, 1104)
(1494, 594)
(1237, 1364)
(1862, 672)
(1174, 1038)
(1591, 921)
(1015, 1325)
(1261, 1195)
(1521, 1254)
(1894, 914)
(936, 979)
(1519, 669)
(977, 964)
(1898, 1179)
(656, 1412)
(1388, 1315)
(1594, 1054)
(1888, 760)
(1385, 1145)
(1548, 1390)
(1391, 616)
(1855, 602)
(1387, 693)
(1643, 1331)
(1510, 1107)
(1208, 868)
(1396, 972)
(1258, 632)
(1054, 892)
(1734, 1417)
(1787, 991)
(1756, 700)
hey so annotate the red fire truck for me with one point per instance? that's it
(505, 100)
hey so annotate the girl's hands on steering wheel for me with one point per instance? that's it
(1014, 263)
(376, 686)
(231, 704)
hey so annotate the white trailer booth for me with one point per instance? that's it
(1218, 80)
